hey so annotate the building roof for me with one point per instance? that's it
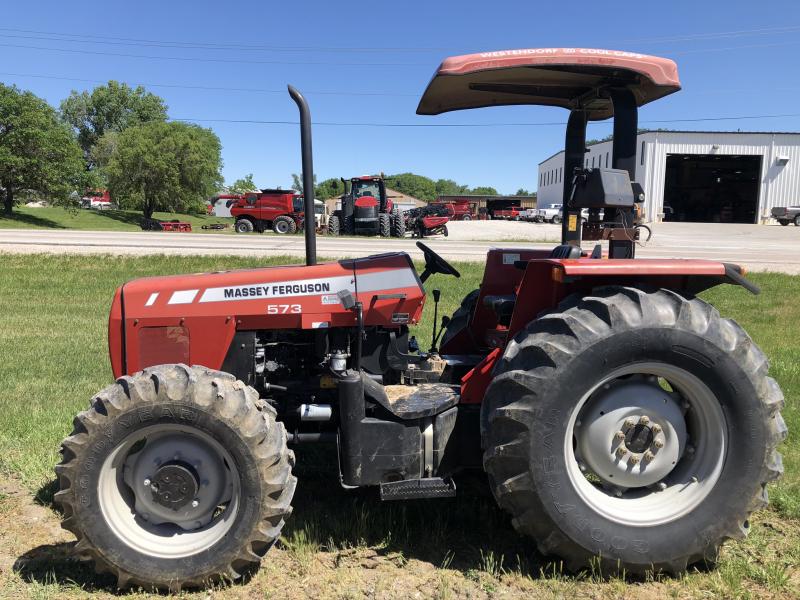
(681, 131)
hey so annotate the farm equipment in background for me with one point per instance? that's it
(367, 210)
(174, 225)
(459, 210)
(623, 424)
(425, 221)
(278, 210)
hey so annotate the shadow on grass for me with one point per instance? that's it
(50, 564)
(121, 216)
(27, 219)
(468, 533)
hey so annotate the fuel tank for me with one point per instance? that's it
(193, 318)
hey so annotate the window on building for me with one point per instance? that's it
(641, 158)
(606, 160)
(560, 174)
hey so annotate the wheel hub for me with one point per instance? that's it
(631, 434)
(174, 485)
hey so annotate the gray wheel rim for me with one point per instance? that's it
(125, 492)
(642, 455)
(282, 226)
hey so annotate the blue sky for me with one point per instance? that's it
(735, 58)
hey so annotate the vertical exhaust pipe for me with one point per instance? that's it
(308, 175)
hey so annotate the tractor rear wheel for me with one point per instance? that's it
(284, 224)
(244, 226)
(398, 223)
(385, 225)
(633, 429)
(175, 477)
(334, 225)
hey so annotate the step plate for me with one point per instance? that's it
(430, 487)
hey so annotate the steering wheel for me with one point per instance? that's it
(435, 264)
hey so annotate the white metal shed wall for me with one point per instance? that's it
(780, 166)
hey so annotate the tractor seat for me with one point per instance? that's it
(502, 306)
(566, 251)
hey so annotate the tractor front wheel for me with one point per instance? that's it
(632, 429)
(175, 477)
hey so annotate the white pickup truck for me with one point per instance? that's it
(550, 213)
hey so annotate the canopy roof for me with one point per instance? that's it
(573, 78)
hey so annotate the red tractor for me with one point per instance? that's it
(426, 221)
(621, 421)
(279, 210)
(367, 210)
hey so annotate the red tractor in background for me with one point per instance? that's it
(279, 210)
(622, 423)
(512, 213)
(425, 221)
(367, 210)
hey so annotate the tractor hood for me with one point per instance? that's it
(571, 78)
(165, 312)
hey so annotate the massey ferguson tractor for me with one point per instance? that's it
(367, 210)
(620, 420)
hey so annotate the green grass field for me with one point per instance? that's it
(53, 357)
(53, 217)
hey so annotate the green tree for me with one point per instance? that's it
(165, 166)
(417, 186)
(245, 184)
(330, 188)
(37, 152)
(448, 187)
(297, 182)
(111, 107)
(523, 192)
(484, 191)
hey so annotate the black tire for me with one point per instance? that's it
(284, 225)
(460, 318)
(528, 421)
(398, 223)
(385, 225)
(349, 225)
(466, 218)
(784, 222)
(445, 233)
(797, 220)
(556, 219)
(334, 225)
(244, 226)
(205, 403)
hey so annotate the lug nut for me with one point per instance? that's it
(661, 486)
(633, 460)
(628, 423)
(644, 420)
(648, 456)
(656, 428)
(146, 483)
(621, 451)
(658, 443)
(195, 504)
(620, 435)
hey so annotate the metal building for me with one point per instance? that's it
(700, 176)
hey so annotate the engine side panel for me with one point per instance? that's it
(194, 318)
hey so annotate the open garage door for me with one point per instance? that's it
(711, 188)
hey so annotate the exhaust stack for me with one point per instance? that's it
(308, 175)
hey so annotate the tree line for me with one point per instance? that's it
(119, 138)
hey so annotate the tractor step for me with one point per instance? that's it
(409, 489)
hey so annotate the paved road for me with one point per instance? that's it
(758, 247)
